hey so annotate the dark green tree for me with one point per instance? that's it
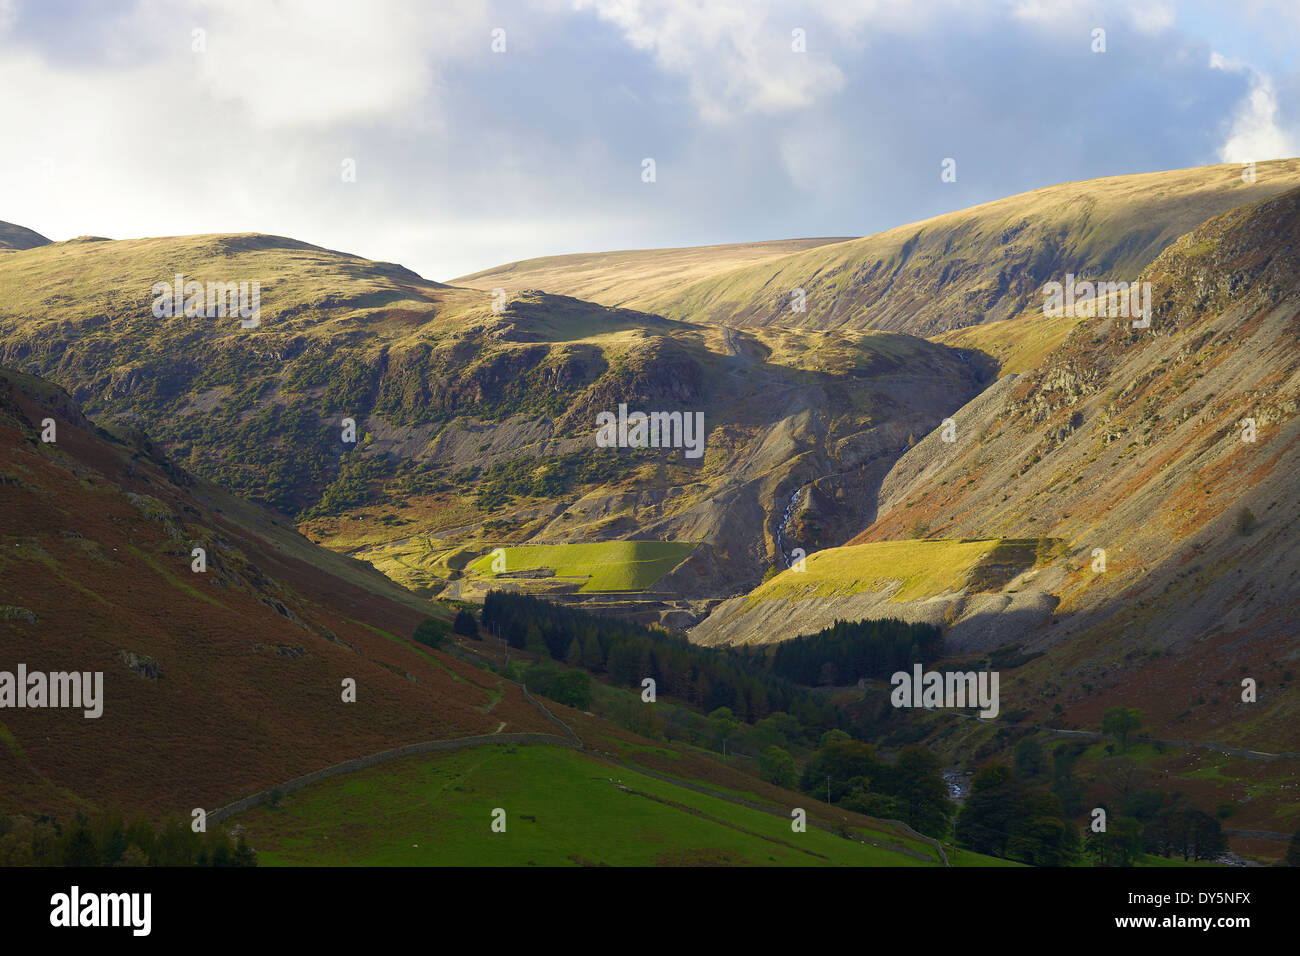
(81, 849)
(777, 766)
(465, 624)
(593, 656)
(572, 689)
(1029, 761)
(1003, 817)
(1121, 722)
(724, 724)
(916, 780)
(430, 632)
(114, 848)
(843, 761)
(1120, 844)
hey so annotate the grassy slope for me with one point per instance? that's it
(437, 811)
(979, 264)
(1019, 344)
(606, 565)
(630, 278)
(921, 568)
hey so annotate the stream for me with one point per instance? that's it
(789, 513)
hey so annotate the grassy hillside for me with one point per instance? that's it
(1019, 344)
(1128, 448)
(981, 264)
(631, 278)
(918, 568)
(1156, 467)
(562, 809)
(602, 566)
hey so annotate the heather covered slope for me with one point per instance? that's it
(216, 684)
(975, 265)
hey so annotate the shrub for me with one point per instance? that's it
(430, 632)
(777, 766)
(573, 689)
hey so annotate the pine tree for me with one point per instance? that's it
(533, 641)
(593, 658)
(81, 849)
(465, 625)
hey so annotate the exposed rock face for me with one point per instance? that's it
(141, 664)
(290, 651)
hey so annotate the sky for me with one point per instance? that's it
(455, 136)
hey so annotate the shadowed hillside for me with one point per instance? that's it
(216, 684)
(19, 237)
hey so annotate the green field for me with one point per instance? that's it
(562, 808)
(606, 565)
(921, 568)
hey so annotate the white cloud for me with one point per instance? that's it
(736, 57)
(1254, 135)
(313, 63)
(1150, 17)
